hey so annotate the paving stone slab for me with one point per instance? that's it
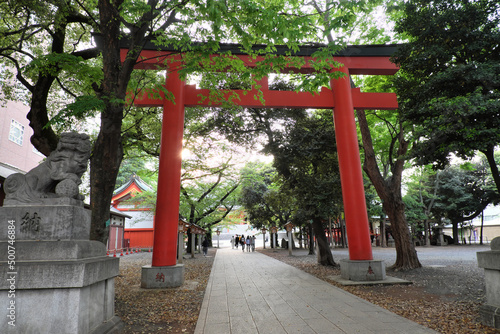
(265, 295)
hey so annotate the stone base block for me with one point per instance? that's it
(89, 309)
(490, 315)
(58, 287)
(162, 277)
(38, 250)
(369, 270)
(59, 274)
(63, 222)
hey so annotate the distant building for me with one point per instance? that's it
(116, 224)
(139, 228)
(471, 231)
(17, 154)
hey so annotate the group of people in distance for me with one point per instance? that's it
(249, 242)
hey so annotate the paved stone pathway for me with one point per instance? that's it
(253, 293)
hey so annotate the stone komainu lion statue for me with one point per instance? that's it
(58, 176)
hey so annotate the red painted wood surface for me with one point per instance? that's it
(351, 176)
(139, 237)
(169, 177)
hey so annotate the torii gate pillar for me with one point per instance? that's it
(164, 272)
(360, 266)
(353, 193)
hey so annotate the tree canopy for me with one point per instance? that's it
(265, 203)
(89, 81)
(463, 193)
(449, 86)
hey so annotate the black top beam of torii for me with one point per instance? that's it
(304, 50)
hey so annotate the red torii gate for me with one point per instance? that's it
(369, 60)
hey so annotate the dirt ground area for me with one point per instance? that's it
(162, 311)
(445, 293)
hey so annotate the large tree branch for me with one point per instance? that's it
(370, 165)
(428, 209)
(483, 206)
(490, 156)
(398, 165)
(211, 188)
(219, 203)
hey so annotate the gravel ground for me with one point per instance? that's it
(445, 295)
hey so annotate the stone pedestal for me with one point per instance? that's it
(57, 281)
(490, 261)
(390, 242)
(369, 270)
(440, 237)
(162, 277)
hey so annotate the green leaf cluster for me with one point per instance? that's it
(449, 86)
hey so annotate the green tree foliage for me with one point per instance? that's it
(304, 151)
(209, 182)
(92, 80)
(136, 165)
(305, 156)
(308, 188)
(265, 203)
(449, 87)
(384, 148)
(209, 190)
(463, 193)
(419, 199)
(457, 194)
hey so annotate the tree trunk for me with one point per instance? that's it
(108, 150)
(325, 257)
(482, 225)
(310, 240)
(383, 241)
(190, 240)
(301, 237)
(343, 233)
(389, 192)
(406, 255)
(490, 156)
(104, 166)
(456, 240)
(330, 231)
(44, 138)
(427, 239)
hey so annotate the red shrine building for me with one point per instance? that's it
(138, 230)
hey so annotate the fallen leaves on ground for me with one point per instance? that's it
(173, 310)
(452, 310)
(444, 299)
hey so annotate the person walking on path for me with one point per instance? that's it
(253, 243)
(248, 242)
(204, 244)
(242, 242)
(236, 241)
(232, 242)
